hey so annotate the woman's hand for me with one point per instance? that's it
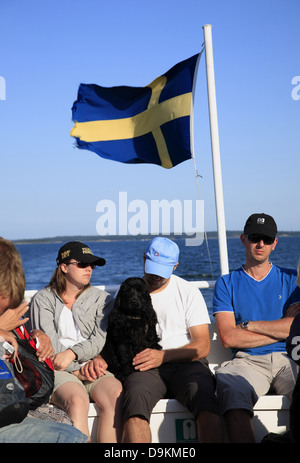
(63, 359)
(44, 345)
(94, 368)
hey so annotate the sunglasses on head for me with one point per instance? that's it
(258, 238)
(82, 264)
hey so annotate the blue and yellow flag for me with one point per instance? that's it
(139, 124)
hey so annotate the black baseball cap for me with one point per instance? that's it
(260, 224)
(79, 251)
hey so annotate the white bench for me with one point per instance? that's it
(170, 422)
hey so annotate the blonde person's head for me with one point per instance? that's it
(12, 277)
(58, 282)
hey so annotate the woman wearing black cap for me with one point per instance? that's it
(74, 315)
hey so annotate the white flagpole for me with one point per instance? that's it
(215, 145)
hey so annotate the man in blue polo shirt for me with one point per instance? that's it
(254, 307)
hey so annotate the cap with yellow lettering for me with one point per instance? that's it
(78, 251)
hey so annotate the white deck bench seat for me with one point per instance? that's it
(171, 422)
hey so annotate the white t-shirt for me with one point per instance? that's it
(70, 333)
(178, 307)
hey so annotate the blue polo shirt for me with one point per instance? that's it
(250, 299)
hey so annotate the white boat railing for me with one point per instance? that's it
(209, 284)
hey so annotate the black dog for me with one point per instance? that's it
(131, 328)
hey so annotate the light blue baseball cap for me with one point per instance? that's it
(161, 255)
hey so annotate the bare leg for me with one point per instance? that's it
(107, 393)
(239, 426)
(210, 427)
(137, 430)
(74, 400)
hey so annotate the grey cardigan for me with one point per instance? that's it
(90, 311)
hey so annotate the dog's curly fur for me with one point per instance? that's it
(131, 327)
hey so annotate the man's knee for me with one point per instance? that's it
(235, 392)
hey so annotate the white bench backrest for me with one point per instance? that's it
(218, 353)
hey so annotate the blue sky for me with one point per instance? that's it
(50, 188)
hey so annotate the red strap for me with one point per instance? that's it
(23, 334)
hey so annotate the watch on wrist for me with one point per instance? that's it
(245, 324)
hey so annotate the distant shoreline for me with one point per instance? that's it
(98, 238)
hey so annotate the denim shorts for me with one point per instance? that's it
(32, 430)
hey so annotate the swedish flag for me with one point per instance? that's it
(139, 124)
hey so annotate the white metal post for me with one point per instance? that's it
(215, 145)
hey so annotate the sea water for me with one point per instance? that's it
(124, 258)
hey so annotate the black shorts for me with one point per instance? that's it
(191, 383)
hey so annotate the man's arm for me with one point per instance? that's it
(234, 337)
(259, 333)
(277, 329)
(198, 348)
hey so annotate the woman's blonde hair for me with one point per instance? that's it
(12, 276)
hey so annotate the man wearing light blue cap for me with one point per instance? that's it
(161, 257)
(180, 370)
